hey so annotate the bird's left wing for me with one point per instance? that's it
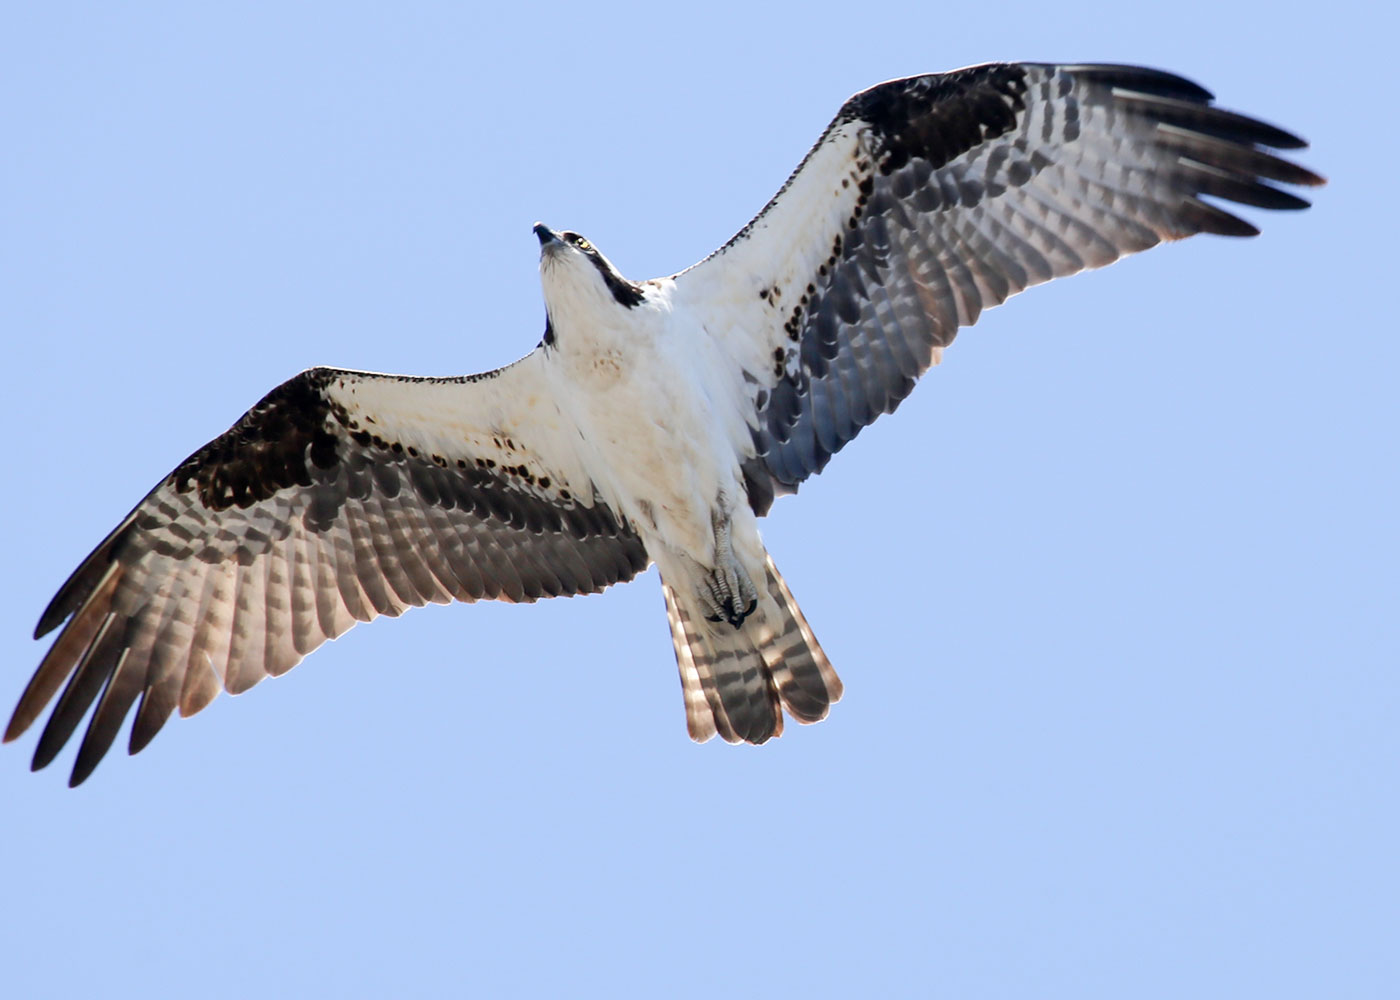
(339, 497)
(931, 198)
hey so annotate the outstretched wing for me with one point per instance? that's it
(339, 497)
(931, 198)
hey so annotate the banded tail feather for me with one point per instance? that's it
(738, 681)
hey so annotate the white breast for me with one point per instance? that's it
(642, 388)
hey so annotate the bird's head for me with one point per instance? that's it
(576, 276)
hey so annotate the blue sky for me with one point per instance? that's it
(1113, 594)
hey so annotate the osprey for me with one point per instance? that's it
(657, 420)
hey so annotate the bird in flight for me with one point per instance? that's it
(657, 420)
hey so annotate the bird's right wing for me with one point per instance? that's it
(339, 497)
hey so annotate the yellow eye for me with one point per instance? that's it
(583, 244)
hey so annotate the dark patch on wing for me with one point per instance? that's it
(274, 446)
(939, 118)
(951, 216)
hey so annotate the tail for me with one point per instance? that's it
(737, 680)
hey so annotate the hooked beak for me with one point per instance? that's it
(546, 235)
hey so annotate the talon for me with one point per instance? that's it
(736, 617)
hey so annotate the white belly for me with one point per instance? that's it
(655, 434)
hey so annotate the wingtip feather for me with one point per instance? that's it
(1143, 79)
(84, 581)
